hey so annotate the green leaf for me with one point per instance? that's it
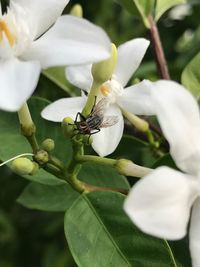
(12, 143)
(139, 7)
(101, 175)
(48, 198)
(129, 6)
(145, 9)
(163, 5)
(191, 76)
(100, 234)
(57, 76)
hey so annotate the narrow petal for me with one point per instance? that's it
(178, 115)
(137, 99)
(159, 204)
(80, 76)
(130, 55)
(18, 80)
(106, 141)
(40, 14)
(65, 107)
(71, 41)
(194, 234)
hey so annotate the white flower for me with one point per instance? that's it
(130, 55)
(160, 203)
(29, 42)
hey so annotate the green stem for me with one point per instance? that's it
(96, 159)
(91, 99)
(136, 121)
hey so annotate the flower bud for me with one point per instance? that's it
(35, 168)
(68, 127)
(42, 157)
(48, 145)
(102, 71)
(22, 166)
(128, 168)
(77, 11)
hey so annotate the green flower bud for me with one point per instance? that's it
(48, 145)
(68, 127)
(102, 71)
(129, 168)
(42, 157)
(77, 11)
(22, 166)
(35, 168)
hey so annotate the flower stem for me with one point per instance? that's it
(158, 50)
(92, 188)
(96, 159)
(91, 99)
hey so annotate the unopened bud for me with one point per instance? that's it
(128, 168)
(42, 157)
(77, 11)
(68, 127)
(22, 166)
(48, 145)
(102, 71)
(35, 168)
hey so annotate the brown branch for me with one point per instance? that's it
(158, 50)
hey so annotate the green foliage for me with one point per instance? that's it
(191, 76)
(163, 5)
(100, 234)
(48, 198)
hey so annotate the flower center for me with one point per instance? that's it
(111, 89)
(4, 29)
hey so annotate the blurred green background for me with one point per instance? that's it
(31, 238)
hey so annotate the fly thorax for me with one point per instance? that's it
(112, 89)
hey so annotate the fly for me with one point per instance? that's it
(96, 120)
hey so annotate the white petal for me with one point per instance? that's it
(40, 14)
(194, 234)
(159, 204)
(106, 141)
(18, 80)
(65, 107)
(71, 41)
(130, 55)
(178, 115)
(137, 99)
(80, 76)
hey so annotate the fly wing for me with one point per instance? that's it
(109, 121)
(100, 108)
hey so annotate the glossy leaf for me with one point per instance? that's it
(100, 234)
(191, 77)
(163, 5)
(48, 198)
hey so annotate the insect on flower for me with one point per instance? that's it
(96, 120)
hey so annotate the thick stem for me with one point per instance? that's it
(158, 50)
